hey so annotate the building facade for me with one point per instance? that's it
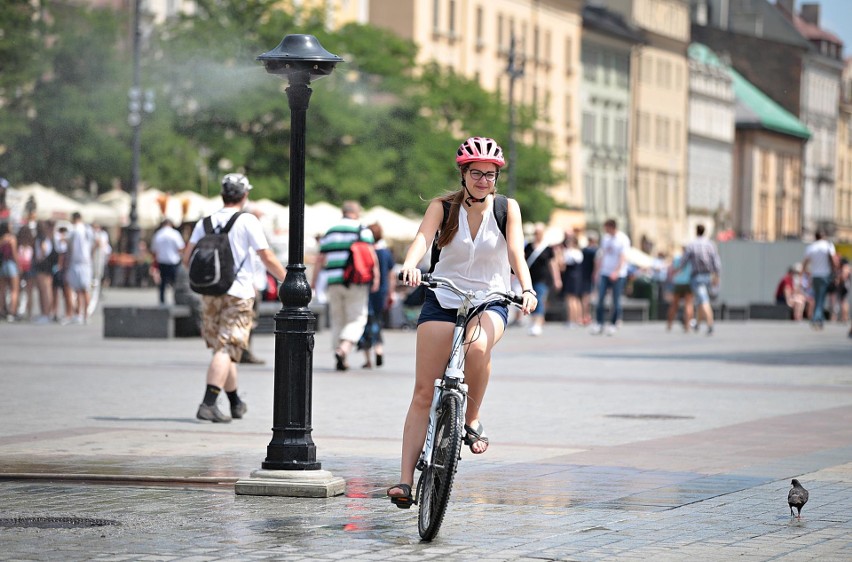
(473, 38)
(819, 112)
(659, 86)
(607, 47)
(767, 198)
(843, 208)
(798, 64)
(710, 144)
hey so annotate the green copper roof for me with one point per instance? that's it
(753, 106)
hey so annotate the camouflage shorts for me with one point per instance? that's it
(226, 324)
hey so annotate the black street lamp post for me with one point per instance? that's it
(137, 105)
(515, 70)
(291, 466)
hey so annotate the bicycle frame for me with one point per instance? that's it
(453, 378)
(452, 381)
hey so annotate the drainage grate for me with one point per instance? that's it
(649, 417)
(56, 522)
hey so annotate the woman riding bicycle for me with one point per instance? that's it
(476, 255)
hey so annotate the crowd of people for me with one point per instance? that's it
(59, 266)
(817, 285)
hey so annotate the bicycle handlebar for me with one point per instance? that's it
(433, 282)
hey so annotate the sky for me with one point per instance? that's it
(836, 17)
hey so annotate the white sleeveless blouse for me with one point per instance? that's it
(480, 264)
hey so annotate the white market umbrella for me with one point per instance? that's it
(50, 204)
(394, 225)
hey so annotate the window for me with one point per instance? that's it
(605, 130)
(479, 35)
(589, 188)
(536, 40)
(452, 19)
(568, 110)
(500, 43)
(662, 202)
(589, 137)
(436, 16)
(590, 70)
(620, 139)
(568, 53)
(644, 129)
(547, 48)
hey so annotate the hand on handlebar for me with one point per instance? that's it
(410, 276)
(530, 302)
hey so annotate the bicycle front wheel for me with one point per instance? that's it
(436, 482)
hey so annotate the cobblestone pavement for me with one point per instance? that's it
(646, 445)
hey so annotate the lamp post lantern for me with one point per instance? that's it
(291, 467)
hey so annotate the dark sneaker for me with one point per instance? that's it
(211, 413)
(238, 411)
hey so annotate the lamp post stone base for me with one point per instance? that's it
(291, 483)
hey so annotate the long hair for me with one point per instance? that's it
(448, 230)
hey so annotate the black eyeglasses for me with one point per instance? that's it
(477, 175)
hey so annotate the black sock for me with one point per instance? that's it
(232, 396)
(211, 394)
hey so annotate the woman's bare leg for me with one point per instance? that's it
(482, 335)
(433, 347)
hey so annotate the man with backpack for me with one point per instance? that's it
(352, 272)
(220, 268)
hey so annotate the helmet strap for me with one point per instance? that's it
(470, 197)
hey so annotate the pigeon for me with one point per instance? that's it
(797, 497)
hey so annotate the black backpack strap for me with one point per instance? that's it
(208, 225)
(501, 211)
(436, 251)
(231, 222)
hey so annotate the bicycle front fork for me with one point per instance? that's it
(440, 387)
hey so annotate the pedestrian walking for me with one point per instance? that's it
(572, 279)
(587, 276)
(166, 246)
(680, 291)
(45, 261)
(821, 262)
(227, 317)
(544, 274)
(478, 254)
(379, 301)
(10, 281)
(611, 275)
(702, 256)
(347, 302)
(78, 275)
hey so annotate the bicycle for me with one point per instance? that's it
(438, 461)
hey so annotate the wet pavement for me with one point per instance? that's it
(643, 445)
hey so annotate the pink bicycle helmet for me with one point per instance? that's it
(480, 149)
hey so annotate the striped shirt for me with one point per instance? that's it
(335, 247)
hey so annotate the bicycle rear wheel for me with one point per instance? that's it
(436, 482)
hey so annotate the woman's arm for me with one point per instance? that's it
(517, 260)
(422, 242)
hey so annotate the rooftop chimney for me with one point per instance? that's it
(788, 5)
(810, 13)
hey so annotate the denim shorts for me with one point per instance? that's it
(432, 311)
(700, 284)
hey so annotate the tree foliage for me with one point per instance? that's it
(377, 131)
